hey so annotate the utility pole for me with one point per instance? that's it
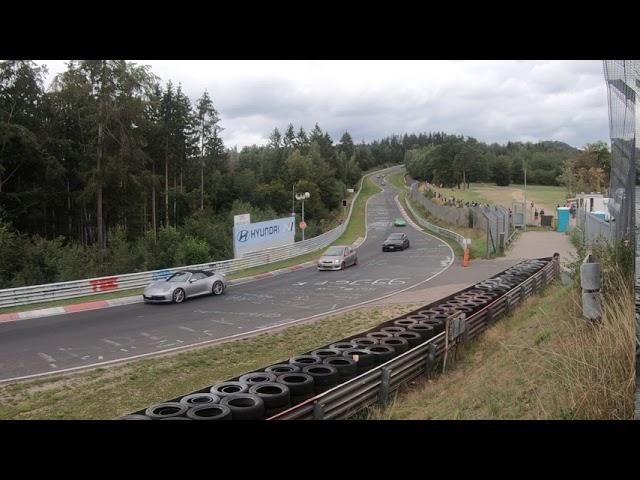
(302, 197)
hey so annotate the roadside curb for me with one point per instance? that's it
(116, 302)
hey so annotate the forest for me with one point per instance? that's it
(111, 170)
(456, 161)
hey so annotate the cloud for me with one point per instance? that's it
(493, 101)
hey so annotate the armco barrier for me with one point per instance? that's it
(115, 283)
(373, 386)
(443, 232)
(376, 384)
(494, 220)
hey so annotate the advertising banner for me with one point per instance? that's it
(242, 219)
(261, 235)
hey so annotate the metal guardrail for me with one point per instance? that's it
(377, 384)
(130, 281)
(456, 237)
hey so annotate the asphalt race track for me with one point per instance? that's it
(52, 344)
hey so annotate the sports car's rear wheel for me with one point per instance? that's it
(218, 287)
(178, 296)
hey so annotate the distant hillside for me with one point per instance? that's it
(554, 145)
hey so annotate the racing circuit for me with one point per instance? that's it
(41, 346)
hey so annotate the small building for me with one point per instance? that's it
(591, 202)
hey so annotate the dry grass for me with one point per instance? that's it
(545, 196)
(594, 363)
(542, 362)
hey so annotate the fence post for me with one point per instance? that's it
(385, 379)
(430, 359)
(489, 315)
(590, 273)
(488, 232)
(318, 411)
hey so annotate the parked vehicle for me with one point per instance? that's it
(185, 284)
(338, 257)
(395, 241)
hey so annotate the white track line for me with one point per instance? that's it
(252, 332)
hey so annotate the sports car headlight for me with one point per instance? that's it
(336, 261)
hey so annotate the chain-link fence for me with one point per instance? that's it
(623, 86)
(495, 221)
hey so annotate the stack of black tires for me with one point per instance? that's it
(264, 393)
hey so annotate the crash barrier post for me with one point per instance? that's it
(10, 297)
(454, 335)
(384, 386)
(368, 386)
(590, 281)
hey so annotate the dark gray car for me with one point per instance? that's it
(395, 241)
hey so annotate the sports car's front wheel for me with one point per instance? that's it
(178, 296)
(218, 287)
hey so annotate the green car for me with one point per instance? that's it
(400, 222)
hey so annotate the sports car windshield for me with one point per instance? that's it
(334, 252)
(395, 236)
(178, 277)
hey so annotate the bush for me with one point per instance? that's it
(122, 256)
(161, 253)
(192, 251)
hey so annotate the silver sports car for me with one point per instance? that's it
(183, 285)
(338, 258)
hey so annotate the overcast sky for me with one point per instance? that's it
(493, 101)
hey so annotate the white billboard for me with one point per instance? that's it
(242, 219)
(261, 235)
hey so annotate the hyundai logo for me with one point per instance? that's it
(243, 235)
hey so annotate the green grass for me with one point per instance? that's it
(104, 393)
(397, 180)
(478, 238)
(543, 361)
(455, 246)
(544, 196)
(357, 225)
(355, 229)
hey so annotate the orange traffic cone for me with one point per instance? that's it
(465, 258)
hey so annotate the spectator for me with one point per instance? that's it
(535, 215)
(541, 213)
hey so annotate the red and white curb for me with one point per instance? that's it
(78, 307)
(116, 302)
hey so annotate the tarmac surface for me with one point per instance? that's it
(40, 346)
